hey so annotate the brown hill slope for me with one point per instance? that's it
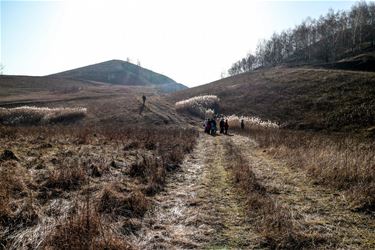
(105, 103)
(123, 73)
(300, 98)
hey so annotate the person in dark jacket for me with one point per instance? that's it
(222, 123)
(226, 127)
(213, 127)
(242, 124)
(144, 99)
(208, 126)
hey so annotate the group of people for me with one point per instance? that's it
(211, 128)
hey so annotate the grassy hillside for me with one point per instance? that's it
(298, 98)
(105, 103)
(124, 73)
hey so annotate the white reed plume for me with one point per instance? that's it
(36, 115)
(198, 105)
(250, 121)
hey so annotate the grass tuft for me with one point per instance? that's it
(117, 203)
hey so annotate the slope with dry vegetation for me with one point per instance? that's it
(320, 216)
(82, 187)
(105, 104)
(297, 97)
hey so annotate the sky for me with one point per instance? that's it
(191, 41)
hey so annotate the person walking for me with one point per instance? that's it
(242, 124)
(208, 126)
(144, 99)
(213, 127)
(226, 127)
(221, 124)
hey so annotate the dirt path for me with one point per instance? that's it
(199, 208)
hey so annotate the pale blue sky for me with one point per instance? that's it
(191, 41)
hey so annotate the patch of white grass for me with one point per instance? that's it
(198, 105)
(249, 121)
(40, 115)
(210, 114)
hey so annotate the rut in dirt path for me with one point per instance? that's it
(200, 207)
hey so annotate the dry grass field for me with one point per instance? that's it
(82, 187)
(82, 183)
(123, 175)
(105, 103)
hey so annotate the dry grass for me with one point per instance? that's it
(53, 167)
(275, 223)
(66, 178)
(36, 115)
(14, 186)
(116, 202)
(338, 161)
(334, 100)
(234, 121)
(198, 105)
(84, 230)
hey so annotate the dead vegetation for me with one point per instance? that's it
(342, 162)
(277, 226)
(117, 202)
(297, 98)
(84, 229)
(48, 170)
(40, 115)
(198, 105)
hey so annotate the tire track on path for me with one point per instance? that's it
(199, 207)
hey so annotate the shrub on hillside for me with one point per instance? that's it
(198, 105)
(36, 115)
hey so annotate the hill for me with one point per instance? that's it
(124, 73)
(105, 103)
(298, 98)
